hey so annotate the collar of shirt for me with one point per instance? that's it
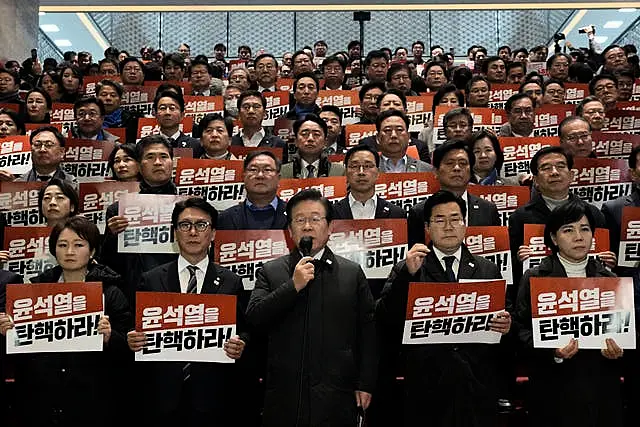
(255, 139)
(366, 210)
(262, 89)
(522, 136)
(50, 175)
(273, 204)
(206, 92)
(304, 171)
(318, 255)
(333, 147)
(221, 157)
(465, 196)
(175, 136)
(401, 165)
(456, 264)
(183, 273)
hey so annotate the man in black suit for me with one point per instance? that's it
(168, 107)
(208, 395)
(318, 313)
(252, 107)
(612, 210)
(454, 162)
(262, 209)
(361, 163)
(455, 384)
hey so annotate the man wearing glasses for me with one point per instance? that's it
(47, 152)
(317, 311)
(252, 107)
(90, 114)
(193, 394)
(575, 136)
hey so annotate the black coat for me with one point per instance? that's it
(384, 209)
(450, 385)
(131, 265)
(479, 211)
(214, 386)
(612, 211)
(235, 217)
(423, 149)
(581, 391)
(66, 386)
(322, 343)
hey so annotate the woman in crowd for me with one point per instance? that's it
(123, 164)
(11, 123)
(569, 386)
(71, 78)
(448, 95)
(57, 202)
(65, 388)
(38, 106)
(489, 160)
(51, 83)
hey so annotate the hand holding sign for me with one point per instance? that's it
(5, 323)
(136, 340)
(608, 258)
(233, 347)
(118, 224)
(501, 323)
(104, 328)
(415, 257)
(6, 176)
(568, 351)
(524, 252)
(612, 351)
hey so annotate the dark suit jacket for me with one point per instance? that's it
(235, 217)
(451, 382)
(269, 141)
(612, 211)
(480, 212)
(5, 278)
(184, 141)
(213, 385)
(423, 149)
(384, 209)
(325, 332)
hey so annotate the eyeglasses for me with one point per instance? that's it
(171, 108)
(453, 126)
(441, 222)
(519, 111)
(358, 167)
(601, 88)
(45, 144)
(578, 136)
(314, 220)
(373, 98)
(389, 130)
(548, 168)
(91, 114)
(200, 226)
(265, 67)
(252, 171)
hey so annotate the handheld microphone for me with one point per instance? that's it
(305, 245)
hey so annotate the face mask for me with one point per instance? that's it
(231, 106)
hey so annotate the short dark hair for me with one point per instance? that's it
(311, 195)
(54, 130)
(505, 47)
(169, 94)
(552, 58)
(245, 47)
(440, 198)
(67, 189)
(477, 136)
(310, 118)
(568, 120)
(445, 89)
(633, 157)
(549, 150)
(396, 67)
(516, 64)
(452, 144)
(82, 102)
(419, 43)
(515, 98)
(332, 109)
(585, 101)
(455, 112)
(13, 74)
(169, 86)
(368, 86)
(128, 59)
(361, 147)
(204, 62)
(176, 58)
(475, 79)
(17, 119)
(220, 46)
(298, 53)
(152, 140)
(255, 153)
(374, 54)
(550, 82)
(214, 117)
(45, 95)
(266, 55)
(391, 113)
(334, 58)
(306, 74)
(395, 92)
(115, 85)
(489, 60)
(567, 213)
(320, 42)
(352, 44)
(603, 76)
(248, 93)
(80, 225)
(128, 148)
(195, 203)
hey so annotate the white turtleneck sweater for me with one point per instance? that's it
(574, 269)
(554, 203)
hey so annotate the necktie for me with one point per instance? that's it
(448, 262)
(192, 288)
(311, 171)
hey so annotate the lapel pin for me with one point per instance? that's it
(471, 264)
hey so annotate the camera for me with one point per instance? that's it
(558, 36)
(587, 29)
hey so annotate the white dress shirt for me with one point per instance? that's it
(366, 210)
(184, 275)
(305, 172)
(456, 263)
(255, 139)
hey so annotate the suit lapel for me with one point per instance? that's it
(171, 278)
(433, 268)
(211, 283)
(382, 208)
(344, 208)
(473, 209)
(468, 266)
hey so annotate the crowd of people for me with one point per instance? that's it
(319, 344)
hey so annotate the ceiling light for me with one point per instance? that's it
(627, 10)
(42, 13)
(62, 43)
(613, 24)
(601, 39)
(49, 28)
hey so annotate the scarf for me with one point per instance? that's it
(113, 120)
(490, 179)
(168, 188)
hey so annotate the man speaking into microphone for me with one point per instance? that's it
(318, 313)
